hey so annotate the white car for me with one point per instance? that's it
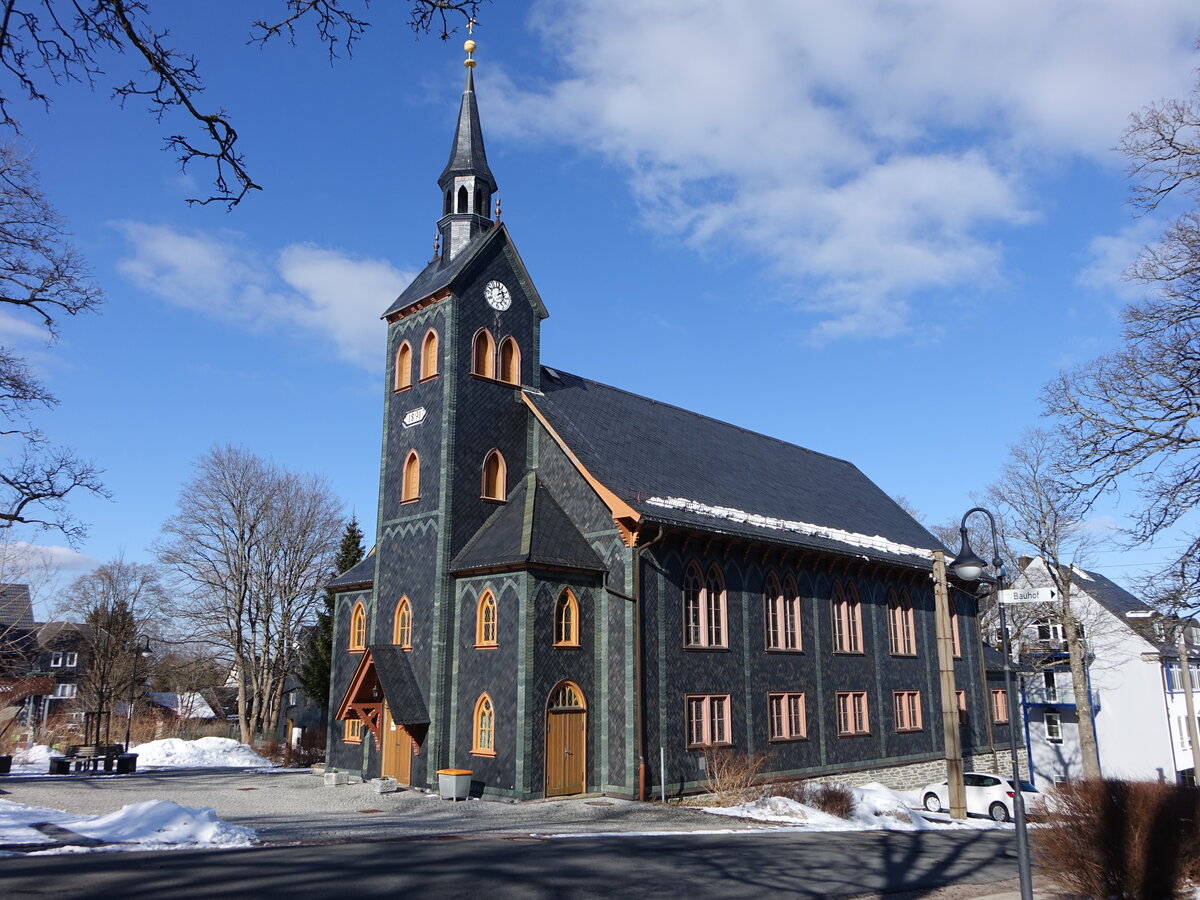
(987, 795)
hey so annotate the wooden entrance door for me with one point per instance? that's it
(397, 750)
(566, 742)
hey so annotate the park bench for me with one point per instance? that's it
(89, 758)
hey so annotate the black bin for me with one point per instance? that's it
(60, 765)
(127, 763)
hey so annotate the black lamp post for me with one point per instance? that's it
(969, 567)
(140, 650)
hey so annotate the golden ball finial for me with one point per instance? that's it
(469, 46)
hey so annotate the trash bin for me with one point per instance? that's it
(454, 784)
(5, 764)
(127, 763)
(60, 765)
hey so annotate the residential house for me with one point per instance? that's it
(1135, 693)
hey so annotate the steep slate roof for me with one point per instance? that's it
(15, 606)
(400, 687)
(531, 529)
(467, 156)
(1110, 595)
(440, 272)
(642, 449)
(360, 575)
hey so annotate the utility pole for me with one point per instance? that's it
(950, 726)
(1185, 669)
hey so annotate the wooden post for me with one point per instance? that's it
(945, 648)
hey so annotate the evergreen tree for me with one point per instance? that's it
(314, 674)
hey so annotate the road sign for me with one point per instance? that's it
(1029, 595)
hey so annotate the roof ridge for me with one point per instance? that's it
(699, 415)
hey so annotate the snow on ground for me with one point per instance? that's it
(876, 808)
(206, 752)
(33, 760)
(152, 825)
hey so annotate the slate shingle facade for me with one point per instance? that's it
(612, 496)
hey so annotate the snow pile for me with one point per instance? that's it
(32, 760)
(153, 825)
(865, 541)
(206, 752)
(876, 808)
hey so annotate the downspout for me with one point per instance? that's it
(639, 726)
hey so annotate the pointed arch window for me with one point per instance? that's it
(483, 739)
(495, 477)
(448, 206)
(566, 620)
(483, 354)
(704, 612)
(462, 200)
(510, 361)
(403, 367)
(358, 628)
(486, 621)
(847, 619)
(781, 607)
(429, 355)
(479, 207)
(902, 635)
(410, 489)
(402, 627)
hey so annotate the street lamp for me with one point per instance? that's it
(140, 650)
(968, 566)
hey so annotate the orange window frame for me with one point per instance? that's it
(410, 488)
(483, 727)
(566, 620)
(487, 621)
(403, 374)
(402, 626)
(429, 355)
(358, 628)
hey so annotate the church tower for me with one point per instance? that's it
(466, 182)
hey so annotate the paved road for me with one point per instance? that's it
(636, 866)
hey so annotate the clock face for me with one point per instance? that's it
(497, 296)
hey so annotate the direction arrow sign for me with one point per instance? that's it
(1029, 595)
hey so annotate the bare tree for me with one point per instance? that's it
(46, 43)
(1132, 416)
(113, 605)
(1044, 512)
(251, 546)
(43, 277)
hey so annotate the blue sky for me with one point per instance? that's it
(875, 231)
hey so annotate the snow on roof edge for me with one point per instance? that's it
(853, 539)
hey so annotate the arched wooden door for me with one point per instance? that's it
(566, 741)
(397, 750)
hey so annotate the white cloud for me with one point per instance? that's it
(868, 151)
(1110, 255)
(312, 290)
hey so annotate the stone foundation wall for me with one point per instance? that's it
(916, 775)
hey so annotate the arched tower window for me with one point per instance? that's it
(484, 729)
(479, 203)
(483, 355)
(495, 477)
(410, 489)
(358, 628)
(510, 361)
(485, 621)
(403, 367)
(566, 620)
(448, 206)
(429, 355)
(402, 628)
(462, 200)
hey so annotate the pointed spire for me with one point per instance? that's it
(467, 155)
(467, 183)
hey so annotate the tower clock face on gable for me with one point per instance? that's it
(497, 296)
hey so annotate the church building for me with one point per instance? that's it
(578, 589)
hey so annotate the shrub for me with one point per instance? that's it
(310, 749)
(1121, 839)
(732, 773)
(834, 799)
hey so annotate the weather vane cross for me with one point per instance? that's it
(471, 26)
